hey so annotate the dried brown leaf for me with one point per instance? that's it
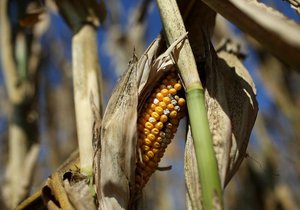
(242, 110)
(54, 193)
(269, 27)
(230, 98)
(118, 133)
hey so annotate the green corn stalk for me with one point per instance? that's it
(206, 160)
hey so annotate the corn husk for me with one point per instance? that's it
(115, 157)
(230, 97)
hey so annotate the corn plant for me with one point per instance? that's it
(187, 72)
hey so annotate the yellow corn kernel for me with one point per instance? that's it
(181, 102)
(156, 145)
(159, 139)
(173, 114)
(155, 150)
(155, 115)
(155, 131)
(149, 125)
(163, 118)
(159, 125)
(152, 120)
(151, 136)
(159, 110)
(159, 96)
(164, 92)
(146, 131)
(167, 100)
(152, 107)
(145, 147)
(170, 107)
(150, 154)
(169, 125)
(162, 104)
(177, 86)
(147, 141)
(173, 91)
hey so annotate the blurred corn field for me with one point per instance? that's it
(45, 109)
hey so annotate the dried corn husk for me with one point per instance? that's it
(115, 156)
(230, 97)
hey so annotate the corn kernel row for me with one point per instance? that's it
(157, 125)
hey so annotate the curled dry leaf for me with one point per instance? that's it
(239, 107)
(268, 26)
(115, 156)
(230, 97)
(78, 191)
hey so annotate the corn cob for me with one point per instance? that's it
(157, 124)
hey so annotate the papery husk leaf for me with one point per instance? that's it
(158, 66)
(118, 143)
(118, 129)
(230, 98)
(145, 62)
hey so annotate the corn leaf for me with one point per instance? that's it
(230, 98)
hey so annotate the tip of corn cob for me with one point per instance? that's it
(157, 125)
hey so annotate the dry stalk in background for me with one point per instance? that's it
(20, 71)
(61, 136)
(86, 69)
(72, 186)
